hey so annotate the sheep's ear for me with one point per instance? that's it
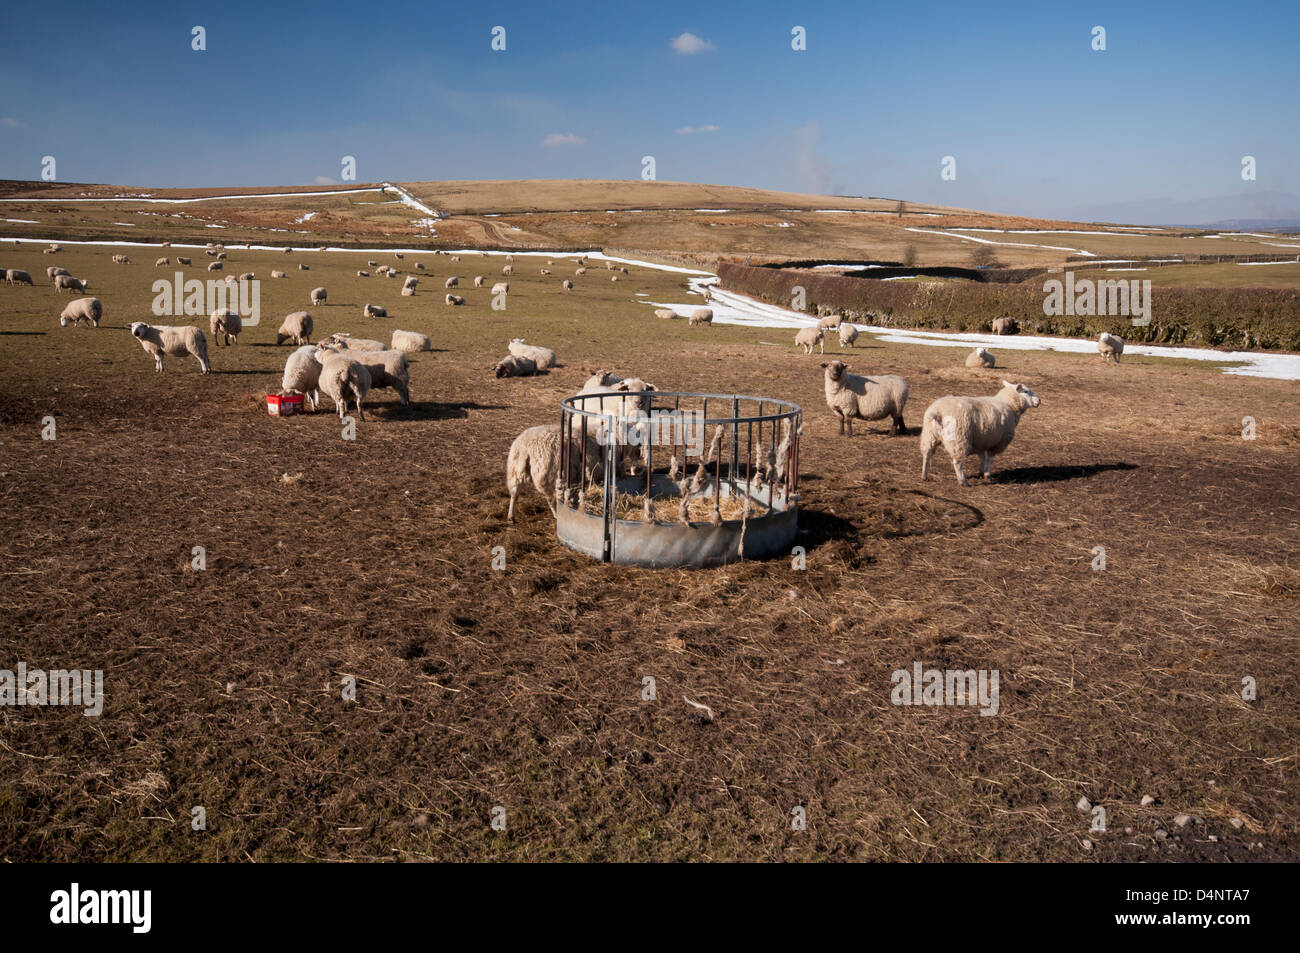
(1008, 384)
(825, 364)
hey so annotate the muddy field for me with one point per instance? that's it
(522, 688)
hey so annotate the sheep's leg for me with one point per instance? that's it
(841, 417)
(899, 427)
(927, 450)
(956, 465)
(849, 422)
(988, 465)
(510, 512)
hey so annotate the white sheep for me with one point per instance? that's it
(398, 255)
(980, 357)
(665, 313)
(227, 325)
(508, 270)
(854, 397)
(979, 425)
(419, 266)
(545, 271)
(411, 341)
(62, 282)
(501, 288)
(543, 357)
(318, 295)
(451, 282)
(810, 337)
(124, 260)
(82, 309)
(302, 374)
(478, 281)
(16, 276)
(172, 342)
(350, 343)
(343, 379)
(511, 366)
(215, 266)
(247, 276)
(1109, 346)
(536, 456)
(54, 271)
(374, 311)
(455, 299)
(410, 282)
(830, 322)
(373, 264)
(278, 274)
(1005, 325)
(579, 272)
(702, 316)
(386, 368)
(408, 291)
(296, 327)
(363, 274)
(52, 250)
(302, 267)
(179, 260)
(566, 284)
(848, 334)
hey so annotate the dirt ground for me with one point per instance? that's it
(522, 688)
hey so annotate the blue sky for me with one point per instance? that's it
(1155, 127)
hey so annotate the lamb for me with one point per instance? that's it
(665, 313)
(536, 455)
(701, 316)
(297, 326)
(566, 284)
(227, 325)
(543, 357)
(352, 344)
(72, 284)
(478, 281)
(179, 260)
(318, 295)
(54, 271)
(501, 288)
(374, 311)
(82, 309)
(386, 368)
(1109, 346)
(848, 334)
(411, 341)
(852, 396)
(1004, 325)
(511, 366)
(455, 299)
(979, 425)
(302, 374)
(162, 263)
(830, 322)
(215, 266)
(17, 276)
(980, 358)
(451, 282)
(807, 338)
(163, 341)
(344, 380)
(278, 274)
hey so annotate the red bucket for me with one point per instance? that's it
(283, 405)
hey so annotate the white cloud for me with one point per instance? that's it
(323, 180)
(689, 43)
(709, 128)
(702, 130)
(685, 130)
(558, 139)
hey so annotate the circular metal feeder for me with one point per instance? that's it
(663, 479)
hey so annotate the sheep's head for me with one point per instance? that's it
(835, 369)
(1024, 397)
(603, 377)
(634, 385)
(138, 328)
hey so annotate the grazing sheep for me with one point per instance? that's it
(225, 324)
(1005, 326)
(374, 311)
(852, 396)
(363, 274)
(247, 276)
(387, 368)
(162, 263)
(210, 252)
(536, 456)
(373, 264)
(848, 335)
(451, 282)
(980, 357)
(16, 276)
(82, 309)
(979, 425)
(419, 266)
(124, 260)
(302, 374)
(545, 271)
(296, 327)
(808, 338)
(215, 266)
(511, 366)
(278, 274)
(302, 267)
(478, 281)
(455, 299)
(410, 282)
(398, 255)
(665, 313)
(566, 284)
(172, 342)
(624, 269)
(1109, 346)
(501, 288)
(318, 295)
(289, 251)
(221, 256)
(411, 341)
(52, 250)
(580, 272)
(71, 284)
(408, 291)
(508, 270)
(343, 379)
(54, 271)
(543, 357)
(702, 316)
(179, 261)
(830, 322)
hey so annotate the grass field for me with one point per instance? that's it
(522, 688)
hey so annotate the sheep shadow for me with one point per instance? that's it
(1019, 475)
(25, 334)
(262, 373)
(432, 410)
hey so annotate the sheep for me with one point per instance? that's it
(566, 284)
(346, 341)
(478, 281)
(227, 325)
(54, 271)
(830, 322)
(545, 271)
(278, 274)
(848, 335)
(455, 257)
(72, 284)
(978, 425)
(980, 357)
(343, 380)
(162, 263)
(852, 396)
(398, 255)
(373, 264)
(807, 338)
(296, 326)
(363, 274)
(302, 374)
(172, 341)
(665, 313)
(408, 291)
(215, 266)
(511, 366)
(124, 260)
(543, 357)
(613, 277)
(231, 279)
(609, 265)
(318, 296)
(1005, 325)
(289, 250)
(386, 368)
(508, 270)
(419, 266)
(374, 311)
(579, 272)
(221, 256)
(179, 260)
(410, 282)
(82, 309)
(16, 276)
(621, 404)
(411, 341)
(210, 252)
(455, 299)
(1109, 346)
(501, 288)
(247, 276)
(52, 250)
(302, 267)
(451, 282)
(701, 316)
(536, 455)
